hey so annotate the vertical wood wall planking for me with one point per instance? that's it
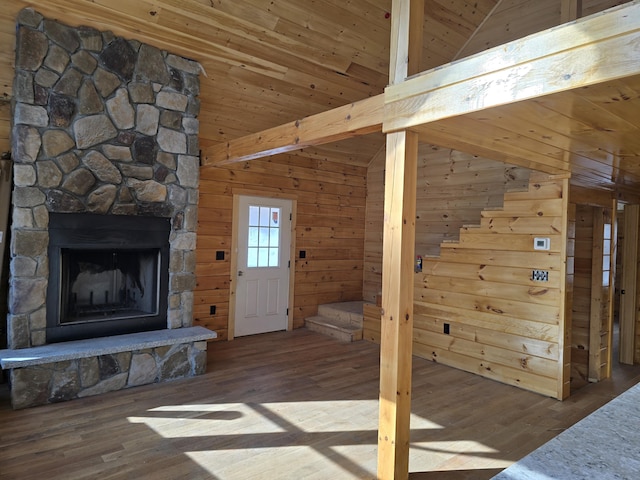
(596, 242)
(570, 298)
(330, 230)
(374, 216)
(566, 298)
(613, 287)
(598, 333)
(629, 300)
(582, 294)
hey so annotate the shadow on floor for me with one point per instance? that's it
(456, 474)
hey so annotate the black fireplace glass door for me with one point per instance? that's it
(108, 275)
(117, 284)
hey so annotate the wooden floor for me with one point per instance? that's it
(287, 406)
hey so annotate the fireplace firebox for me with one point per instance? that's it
(108, 275)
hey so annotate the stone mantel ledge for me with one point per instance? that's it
(56, 352)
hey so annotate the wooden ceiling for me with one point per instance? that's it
(268, 62)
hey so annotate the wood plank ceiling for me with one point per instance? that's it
(268, 62)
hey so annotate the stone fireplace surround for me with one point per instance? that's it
(106, 126)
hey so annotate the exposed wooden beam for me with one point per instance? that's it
(586, 52)
(398, 256)
(359, 118)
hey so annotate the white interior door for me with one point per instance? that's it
(264, 252)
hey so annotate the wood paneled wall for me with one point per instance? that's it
(452, 189)
(330, 229)
(581, 310)
(592, 328)
(372, 277)
(502, 324)
(477, 307)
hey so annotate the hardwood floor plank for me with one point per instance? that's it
(288, 405)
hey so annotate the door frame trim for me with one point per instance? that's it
(233, 274)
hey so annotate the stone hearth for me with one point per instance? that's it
(106, 126)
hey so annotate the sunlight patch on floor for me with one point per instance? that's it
(316, 439)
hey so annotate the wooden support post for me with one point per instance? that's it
(397, 305)
(398, 257)
(570, 10)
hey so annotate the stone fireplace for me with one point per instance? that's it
(108, 275)
(105, 150)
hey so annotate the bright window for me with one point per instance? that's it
(263, 248)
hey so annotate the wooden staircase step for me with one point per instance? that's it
(339, 329)
(342, 321)
(348, 312)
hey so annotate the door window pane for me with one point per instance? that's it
(263, 257)
(254, 216)
(264, 216)
(274, 237)
(263, 237)
(252, 258)
(253, 236)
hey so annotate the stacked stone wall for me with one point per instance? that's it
(102, 125)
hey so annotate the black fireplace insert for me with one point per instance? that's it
(108, 275)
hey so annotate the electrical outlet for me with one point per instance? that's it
(540, 276)
(220, 255)
(446, 329)
(303, 254)
(212, 310)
